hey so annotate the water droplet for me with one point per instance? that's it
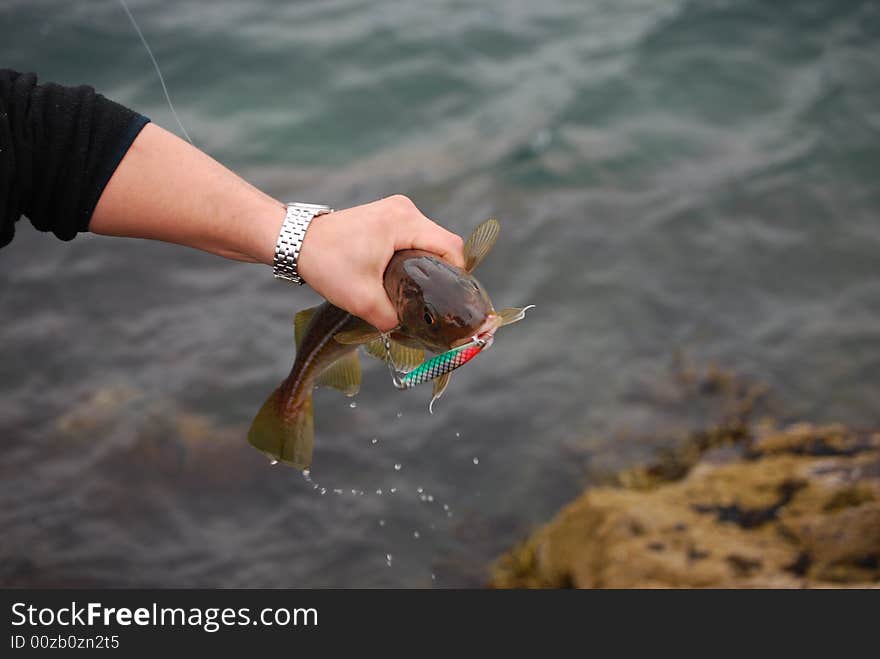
(379, 492)
(445, 506)
(420, 490)
(400, 415)
(352, 404)
(433, 577)
(398, 467)
(353, 491)
(393, 490)
(476, 461)
(323, 491)
(306, 473)
(457, 434)
(337, 491)
(416, 535)
(273, 462)
(374, 440)
(388, 559)
(381, 522)
(430, 497)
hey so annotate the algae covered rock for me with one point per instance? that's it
(793, 507)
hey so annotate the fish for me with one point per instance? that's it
(440, 307)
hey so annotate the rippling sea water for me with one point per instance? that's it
(678, 176)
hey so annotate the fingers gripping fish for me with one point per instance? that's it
(441, 308)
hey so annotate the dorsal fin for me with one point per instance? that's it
(343, 374)
(480, 242)
(301, 322)
(404, 357)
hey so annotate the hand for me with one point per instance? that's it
(345, 253)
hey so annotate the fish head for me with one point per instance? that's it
(439, 305)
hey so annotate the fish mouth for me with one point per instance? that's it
(484, 333)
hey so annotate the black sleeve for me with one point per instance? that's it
(58, 148)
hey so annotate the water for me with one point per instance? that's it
(696, 176)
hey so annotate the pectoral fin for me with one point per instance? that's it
(513, 314)
(282, 437)
(301, 322)
(480, 242)
(440, 385)
(404, 357)
(376, 349)
(343, 374)
(362, 333)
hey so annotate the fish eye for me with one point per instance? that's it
(429, 317)
(475, 285)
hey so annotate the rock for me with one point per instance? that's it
(163, 440)
(796, 507)
(97, 412)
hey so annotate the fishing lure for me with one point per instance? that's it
(435, 367)
(446, 362)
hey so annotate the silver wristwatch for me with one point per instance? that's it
(290, 239)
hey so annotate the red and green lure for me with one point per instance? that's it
(436, 366)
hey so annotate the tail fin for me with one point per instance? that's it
(282, 437)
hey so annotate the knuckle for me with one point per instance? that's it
(401, 199)
(401, 203)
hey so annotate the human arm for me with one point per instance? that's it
(163, 188)
(166, 189)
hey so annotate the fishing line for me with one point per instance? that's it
(399, 379)
(156, 66)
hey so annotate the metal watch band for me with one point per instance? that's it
(290, 239)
